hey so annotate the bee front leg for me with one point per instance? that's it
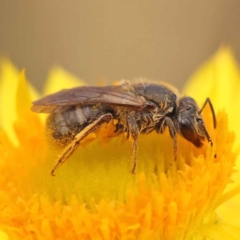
(71, 147)
(133, 134)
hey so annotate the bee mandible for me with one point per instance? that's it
(140, 106)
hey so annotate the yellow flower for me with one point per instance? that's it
(93, 195)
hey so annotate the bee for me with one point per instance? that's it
(140, 106)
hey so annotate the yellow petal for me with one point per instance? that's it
(220, 232)
(9, 80)
(23, 96)
(9, 77)
(58, 79)
(3, 236)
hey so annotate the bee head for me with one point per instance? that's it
(189, 122)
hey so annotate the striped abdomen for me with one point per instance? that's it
(65, 125)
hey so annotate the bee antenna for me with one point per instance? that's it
(208, 101)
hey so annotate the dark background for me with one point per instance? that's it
(110, 40)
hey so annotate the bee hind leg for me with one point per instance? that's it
(71, 147)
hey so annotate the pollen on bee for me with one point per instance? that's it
(107, 130)
(90, 137)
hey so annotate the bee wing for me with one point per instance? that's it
(120, 95)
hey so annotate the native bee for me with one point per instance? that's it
(140, 106)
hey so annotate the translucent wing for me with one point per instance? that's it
(122, 95)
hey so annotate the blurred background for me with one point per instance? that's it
(111, 40)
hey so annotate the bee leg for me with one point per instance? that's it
(172, 132)
(71, 147)
(133, 134)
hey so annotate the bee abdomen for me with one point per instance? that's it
(81, 114)
(64, 126)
